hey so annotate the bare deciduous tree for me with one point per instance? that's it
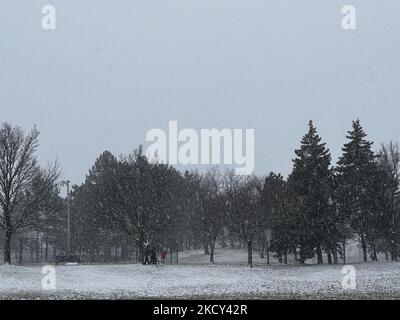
(389, 160)
(212, 208)
(246, 218)
(18, 168)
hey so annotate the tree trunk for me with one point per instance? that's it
(329, 257)
(279, 254)
(262, 248)
(393, 253)
(7, 247)
(212, 247)
(41, 250)
(37, 247)
(364, 249)
(141, 250)
(335, 257)
(374, 254)
(250, 253)
(285, 257)
(137, 254)
(302, 257)
(319, 255)
(267, 252)
(344, 251)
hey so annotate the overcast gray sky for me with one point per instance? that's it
(112, 70)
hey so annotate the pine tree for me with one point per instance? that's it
(310, 182)
(356, 171)
(93, 206)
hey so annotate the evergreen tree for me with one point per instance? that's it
(149, 201)
(310, 182)
(93, 207)
(356, 171)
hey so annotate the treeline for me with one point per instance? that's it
(129, 203)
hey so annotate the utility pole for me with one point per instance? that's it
(66, 183)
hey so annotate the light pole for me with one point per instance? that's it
(66, 183)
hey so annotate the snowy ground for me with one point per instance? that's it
(193, 278)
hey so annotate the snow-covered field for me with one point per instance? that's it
(195, 279)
